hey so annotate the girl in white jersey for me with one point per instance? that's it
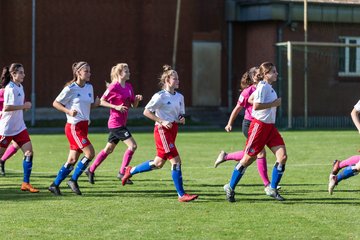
(119, 97)
(262, 132)
(13, 147)
(75, 100)
(166, 108)
(12, 125)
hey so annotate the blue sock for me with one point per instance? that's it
(277, 173)
(65, 170)
(177, 178)
(236, 176)
(346, 173)
(80, 168)
(143, 167)
(27, 166)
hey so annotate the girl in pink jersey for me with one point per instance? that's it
(12, 125)
(76, 100)
(262, 132)
(166, 108)
(248, 85)
(352, 164)
(13, 147)
(119, 97)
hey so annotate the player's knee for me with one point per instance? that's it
(28, 153)
(133, 148)
(108, 150)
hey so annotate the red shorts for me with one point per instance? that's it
(77, 135)
(261, 134)
(21, 138)
(165, 141)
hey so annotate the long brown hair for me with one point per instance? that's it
(265, 68)
(6, 73)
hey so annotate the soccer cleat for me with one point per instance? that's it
(332, 183)
(90, 175)
(277, 188)
(230, 194)
(28, 187)
(54, 189)
(187, 197)
(74, 187)
(336, 168)
(126, 176)
(2, 168)
(120, 176)
(271, 192)
(220, 159)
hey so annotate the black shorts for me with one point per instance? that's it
(117, 134)
(245, 127)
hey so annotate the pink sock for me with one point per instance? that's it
(237, 156)
(262, 168)
(99, 159)
(11, 150)
(350, 161)
(126, 160)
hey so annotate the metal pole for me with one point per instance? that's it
(290, 95)
(305, 66)
(229, 63)
(178, 5)
(33, 95)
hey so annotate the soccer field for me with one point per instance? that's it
(149, 209)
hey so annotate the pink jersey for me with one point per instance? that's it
(243, 101)
(117, 95)
(2, 90)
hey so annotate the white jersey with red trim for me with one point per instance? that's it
(12, 122)
(79, 99)
(167, 106)
(264, 93)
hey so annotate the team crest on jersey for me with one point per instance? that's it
(168, 103)
(90, 95)
(83, 141)
(78, 95)
(19, 94)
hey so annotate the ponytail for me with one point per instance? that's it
(6, 73)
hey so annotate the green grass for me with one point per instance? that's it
(149, 209)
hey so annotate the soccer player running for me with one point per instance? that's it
(167, 109)
(248, 84)
(12, 125)
(352, 164)
(119, 97)
(75, 100)
(262, 132)
(13, 147)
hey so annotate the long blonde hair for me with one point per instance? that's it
(116, 70)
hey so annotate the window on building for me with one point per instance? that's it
(349, 59)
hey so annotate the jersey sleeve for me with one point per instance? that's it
(65, 96)
(357, 106)
(182, 107)
(260, 93)
(107, 92)
(154, 103)
(92, 93)
(9, 96)
(132, 97)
